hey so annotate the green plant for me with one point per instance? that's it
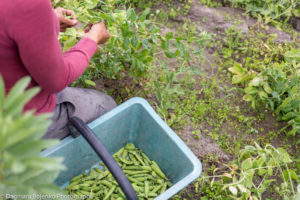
(269, 73)
(166, 93)
(276, 86)
(271, 11)
(252, 174)
(133, 43)
(263, 164)
(22, 170)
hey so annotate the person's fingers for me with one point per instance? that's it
(63, 27)
(103, 24)
(70, 13)
(69, 22)
(90, 25)
(86, 29)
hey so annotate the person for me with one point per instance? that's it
(29, 46)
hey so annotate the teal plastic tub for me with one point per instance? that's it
(136, 122)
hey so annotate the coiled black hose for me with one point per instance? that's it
(105, 156)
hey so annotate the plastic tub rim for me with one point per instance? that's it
(197, 167)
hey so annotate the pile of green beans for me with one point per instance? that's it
(146, 178)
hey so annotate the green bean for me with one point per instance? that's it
(131, 172)
(72, 184)
(98, 170)
(124, 154)
(146, 188)
(164, 187)
(84, 185)
(160, 181)
(139, 158)
(135, 187)
(91, 177)
(153, 174)
(158, 171)
(77, 178)
(106, 183)
(141, 178)
(119, 152)
(156, 188)
(88, 183)
(151, 194)
(146, 168)
(138, 175)
(96, 189)
(130, 146)
(110, 192)
(135, 181)
(133, 167)
(121, 192)
(76, 187)
(103, 175)
(132, 158)
(146, 159)
(92, 172)
(84, 192)
(87, 189)
(124, 160)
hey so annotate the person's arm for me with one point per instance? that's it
(31, 24)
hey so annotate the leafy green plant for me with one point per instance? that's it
(277, 86)
(22, 170)
(251, 175)
(264, 164)
(270, 74)
(271, 11)
(166, 93)
(133, 43)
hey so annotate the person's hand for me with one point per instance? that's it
(97, 32)
(67, 18)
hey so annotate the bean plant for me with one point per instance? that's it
(134, 40)
(269, 73)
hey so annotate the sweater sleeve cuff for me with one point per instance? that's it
(88, 46)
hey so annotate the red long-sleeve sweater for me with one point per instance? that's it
(29, 47)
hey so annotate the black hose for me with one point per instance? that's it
(105, 156)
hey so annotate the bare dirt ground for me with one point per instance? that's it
(217, 20)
